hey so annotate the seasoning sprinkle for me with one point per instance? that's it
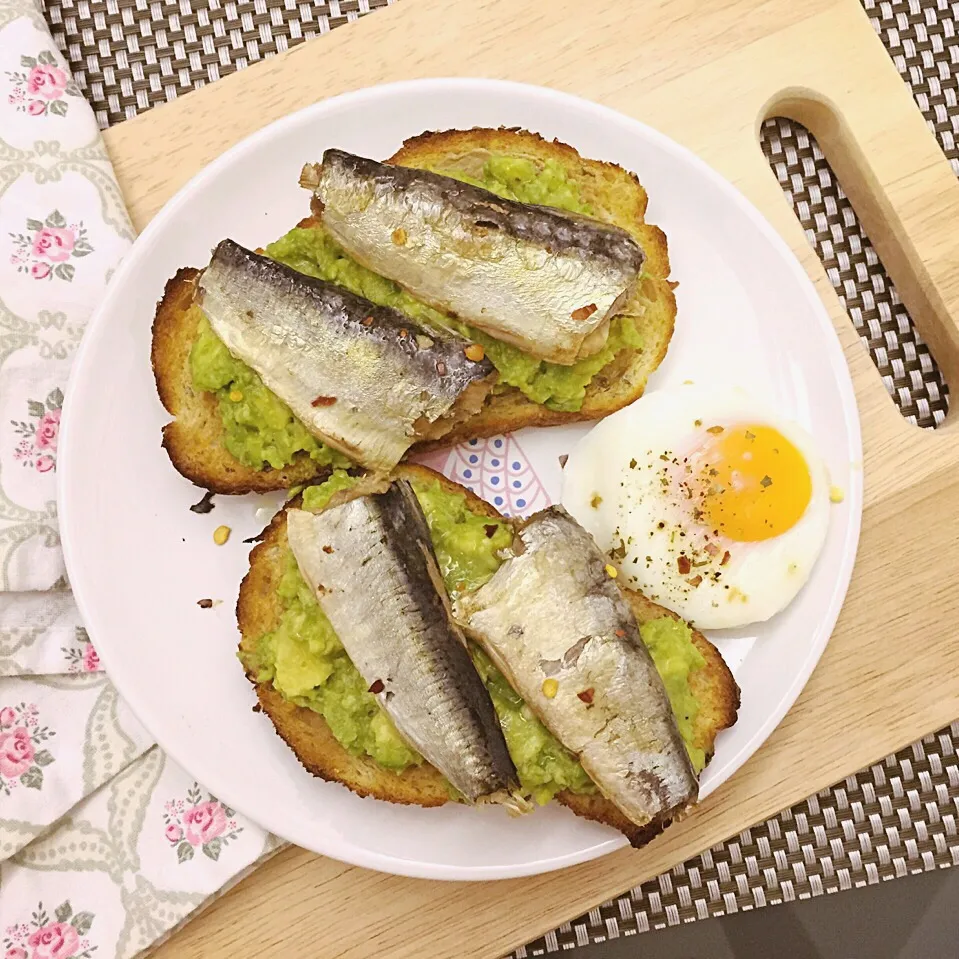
(474, 352)
(399, 236)
(611, 571)
(586, 695)
(221, 534)
(836, 495)
(377, 687)
(550, 688)
(583, 313)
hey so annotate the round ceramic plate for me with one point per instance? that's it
(139, 559)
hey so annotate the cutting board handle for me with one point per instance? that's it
(911, 221)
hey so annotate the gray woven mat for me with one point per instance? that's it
(894, 818)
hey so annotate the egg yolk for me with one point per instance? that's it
(755, 484)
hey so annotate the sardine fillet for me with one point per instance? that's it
(544, 280)
(363, 378)
(372, 566)
(564, 636)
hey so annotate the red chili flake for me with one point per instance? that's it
(695, 580)
(586, 695)
(725, 558)
(368, 321)
(563, 459)
(712, 549)
(403, 334)
(441, 368)
(490, 529)
(377, 687)
(584, 312)
(683, 565)
(327, 549)
(620, 633)
(204, 603)
(324, 401)
(715, 430)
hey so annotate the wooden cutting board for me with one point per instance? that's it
(707, 74)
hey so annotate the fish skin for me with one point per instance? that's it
(518, 271)
(551, 612)
(307, 341)
(372, 566)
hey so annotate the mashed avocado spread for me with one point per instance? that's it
(260, 429)
(306, 663)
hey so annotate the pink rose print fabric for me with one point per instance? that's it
(41, 87)
(47, 245)
(191, 825)
(22, 751)
(81, 655)
(37, 447)
(62, 936)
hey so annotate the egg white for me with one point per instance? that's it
(620, 483)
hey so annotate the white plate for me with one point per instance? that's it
(139, 559)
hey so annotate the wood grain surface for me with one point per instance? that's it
(706, 74)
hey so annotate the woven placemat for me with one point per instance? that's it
(894, 818)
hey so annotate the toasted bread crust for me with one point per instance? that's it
(194, 438)
(307, 734)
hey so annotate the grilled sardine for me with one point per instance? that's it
(372, 565)
(560, 630)
(362, 378)
(542, 279)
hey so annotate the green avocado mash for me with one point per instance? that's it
(670, 643)
(306, 663)
(260, 429)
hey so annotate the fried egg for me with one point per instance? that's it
(705, 501)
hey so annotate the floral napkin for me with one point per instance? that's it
(106, 846)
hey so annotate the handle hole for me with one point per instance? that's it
(905, 362)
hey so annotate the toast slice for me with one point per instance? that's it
(308, 735)
(616, 196)
(194, 438)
